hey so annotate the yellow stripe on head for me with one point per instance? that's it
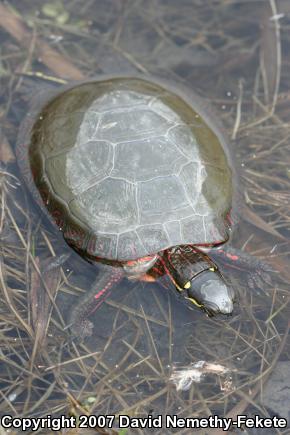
(195, 302)
(178, 288)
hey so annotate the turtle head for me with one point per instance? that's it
(209, 291)
(198, 280)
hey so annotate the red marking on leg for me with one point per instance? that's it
(147, 278)
(106, 291)
(131, 262)
(228, 255)
(100, 302)
(232, 257)
(139, 261)
(114, 279)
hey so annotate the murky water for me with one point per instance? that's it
(234, 54)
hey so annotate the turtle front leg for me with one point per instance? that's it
(258, 271)
(92, 299)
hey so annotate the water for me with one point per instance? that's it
(142, 333)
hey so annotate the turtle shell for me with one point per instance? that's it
(127, 167)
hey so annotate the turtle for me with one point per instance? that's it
(136, 175)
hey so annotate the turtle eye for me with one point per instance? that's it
(187, 285)
(212, 269)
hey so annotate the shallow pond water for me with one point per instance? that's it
(235, 54)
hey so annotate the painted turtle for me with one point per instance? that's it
(135, 175)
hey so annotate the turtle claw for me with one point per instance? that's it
(255, 281)
(265, 267)
(259, 279)
(83, 330)
(261, 275)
